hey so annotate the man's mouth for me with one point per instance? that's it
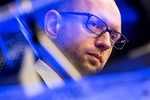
(95, 56)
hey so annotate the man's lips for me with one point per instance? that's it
(95, 55)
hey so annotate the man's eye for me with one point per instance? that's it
(113, 37)
(93, 24)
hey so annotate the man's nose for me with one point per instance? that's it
(103, 42)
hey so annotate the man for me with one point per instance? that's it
(86, 31)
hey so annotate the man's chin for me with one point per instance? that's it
(90, 70)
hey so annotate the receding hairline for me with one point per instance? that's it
(67, 5)
(70, 5)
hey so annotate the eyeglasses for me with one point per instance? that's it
(98, 27)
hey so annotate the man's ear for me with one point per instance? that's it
(52, 23)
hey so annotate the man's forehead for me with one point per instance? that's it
(97, 7)
(89, 4)
(86, 5)
(104, 9)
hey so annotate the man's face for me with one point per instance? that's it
(88, 52)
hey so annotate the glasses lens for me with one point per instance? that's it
(96, 25)
(118, 40)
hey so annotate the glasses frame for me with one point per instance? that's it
(101, 33)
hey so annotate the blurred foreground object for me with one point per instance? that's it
(133, 85)
(46, 53)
